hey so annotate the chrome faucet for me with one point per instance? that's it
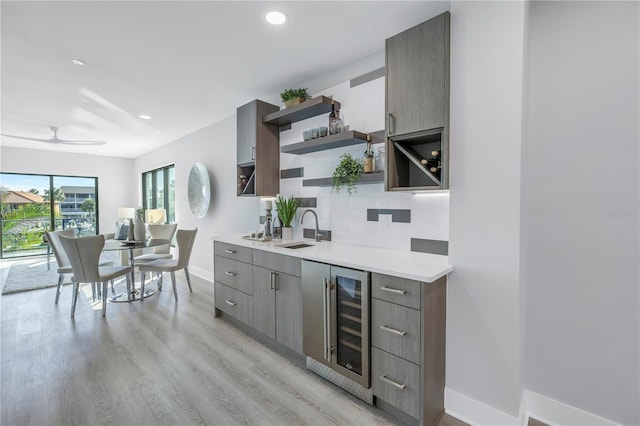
(318, 235)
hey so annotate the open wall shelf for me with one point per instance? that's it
(377, 177)
(340, 140)
(307, 109)
(326, 142)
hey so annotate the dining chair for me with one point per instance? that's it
(160, 232)
(64, 267)
(84, 255)
(185, 239)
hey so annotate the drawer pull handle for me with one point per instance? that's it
(393, 290)
(391, 382)
(392, 330)
(230, 251)
(231, 274)
(230, 302)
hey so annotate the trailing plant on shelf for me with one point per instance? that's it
(294, 96)
(286, 210)
(347, 173)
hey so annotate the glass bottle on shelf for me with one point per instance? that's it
(369, 163)
(335, 123)
(332, 118)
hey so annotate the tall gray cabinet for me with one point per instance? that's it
(417, 106)
(258, 151)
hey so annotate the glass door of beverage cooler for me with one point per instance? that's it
(351, 333)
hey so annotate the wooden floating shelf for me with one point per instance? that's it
(367, 178)
(302, 111)
(326, 142)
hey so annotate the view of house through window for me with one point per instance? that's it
(32, 204)
(158, 187)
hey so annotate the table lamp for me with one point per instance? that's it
(155, 216)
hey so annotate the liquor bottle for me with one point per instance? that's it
(335, 126)
(277, 228)
(332, 117)
(369, 164)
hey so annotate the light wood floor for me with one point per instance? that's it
(154, 363)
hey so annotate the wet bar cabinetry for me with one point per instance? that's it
(260, 289)
(417, 107)
(258, 151)
(408, 346)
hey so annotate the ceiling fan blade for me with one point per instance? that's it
(25, 138)
(76, 142)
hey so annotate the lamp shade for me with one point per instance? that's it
(155, 216)
(126, 212)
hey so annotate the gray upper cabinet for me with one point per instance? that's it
(417, 77)
(247, 132)
(258, 151)
(417, 107)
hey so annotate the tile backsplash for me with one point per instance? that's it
(401, 216)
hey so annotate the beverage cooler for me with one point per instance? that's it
(336, 318)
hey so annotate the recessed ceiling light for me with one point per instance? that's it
(276, 18)
(78, 62)
(145, 117)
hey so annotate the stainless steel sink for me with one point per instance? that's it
(294, 245)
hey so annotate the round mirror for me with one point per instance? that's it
(199, 190)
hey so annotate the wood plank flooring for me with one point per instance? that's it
(154, 363)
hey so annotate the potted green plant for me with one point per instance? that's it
(286, 213)
(294, 96)
(347, 173)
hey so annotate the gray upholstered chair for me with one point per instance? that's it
(84, 255)
(160, 232)
(64, 267)
(185, 239)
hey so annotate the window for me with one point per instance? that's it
(158, 189)
(31, 204)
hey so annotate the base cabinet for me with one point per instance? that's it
(277, 303)
(261, 289)
(408, 345)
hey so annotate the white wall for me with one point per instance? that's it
(581, 207)
(362, 108)
(215, 148)
(116, 180)
(483, 313)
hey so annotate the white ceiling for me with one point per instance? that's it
(186, 64)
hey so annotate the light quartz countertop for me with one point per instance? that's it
(406, 264)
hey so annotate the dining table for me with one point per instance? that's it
(132, 293)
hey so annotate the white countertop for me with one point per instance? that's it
(406, 264)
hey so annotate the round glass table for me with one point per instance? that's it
(133, 293)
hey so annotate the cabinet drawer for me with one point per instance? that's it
(232, 251)
(277, 262)
(233, 273)
(396, 381)
(234, 303)
(397, 290)
(396, 329)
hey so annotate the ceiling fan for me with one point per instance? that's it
(55, 139)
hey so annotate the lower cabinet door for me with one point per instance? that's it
(289, 311)
(264, 301)
(396, 381)
(234, 303)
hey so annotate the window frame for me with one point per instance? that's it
(166, 198)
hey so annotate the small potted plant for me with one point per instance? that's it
(286, 213)
(139, 231)
(347, 173)
(294, 96)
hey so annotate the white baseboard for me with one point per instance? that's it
(475, 412)
(554, 412)
(534, 405)
(202, 273)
